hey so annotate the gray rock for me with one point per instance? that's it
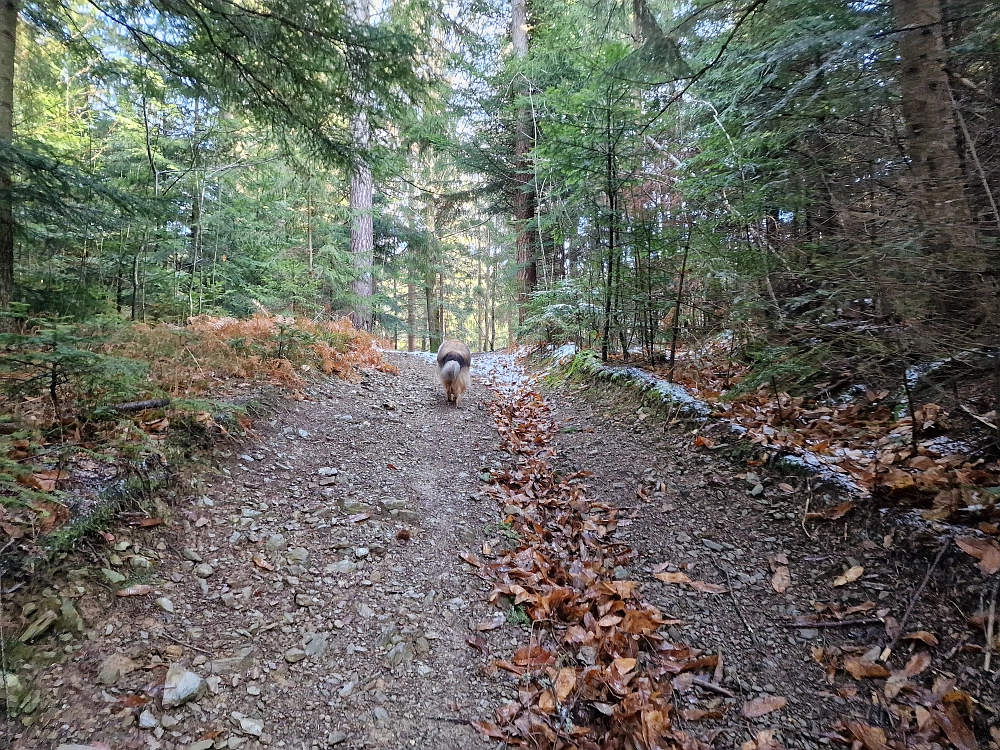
(165, 604)
(298, 555)
(364, 611)
(200, 745)
(190, 554)
(714, 546)
(341, 566)
(114, 668)
(180, 686)
(112, 576)
(315, 644)
(204, 570)
(336, 737)
(276, 543)
(294, 654)
(232, 664)
(147, 720)
(380, 714)
(254, 727)
(361, 552)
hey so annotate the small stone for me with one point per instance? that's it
(180, 686)
(251, 726)
(201, 745)
(361, 552)
(303, 433)
(714, 546)
(299, 555)
(112, 576)
(621, 573)
(808, 633)
(341, 566)
(276, 543)
(336, 737)
(380, 714)
(114, 668)
(253, 690)
(315, 644)
(168, 722)
(139, 562)
(189, 554)
(147, 720)
(364, 611)
(294, 654)
(204, 570)
(757, 489)
(423, 670)
(165, 604)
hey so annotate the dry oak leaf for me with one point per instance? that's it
(955, 728)
(849, 576)
(860, 668)
(708, 588)
(924, 636)
(781, 579)
(871, 737)
(765, 740)
(763, 705)
(985, 550)
(262, 562)
(830, 514)
(564, 683)
(471, 559)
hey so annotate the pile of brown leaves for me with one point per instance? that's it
(596, 673)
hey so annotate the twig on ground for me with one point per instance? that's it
(887, 651)
(187, 645)
(831, 624)
(711, 686)
(989, 625)
(805, 513)
(736, 604)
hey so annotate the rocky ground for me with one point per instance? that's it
(308, 589)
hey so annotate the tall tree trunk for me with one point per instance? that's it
(411, 316)
(938, 183)
(362, 241)
(524, 192)
(8, 37)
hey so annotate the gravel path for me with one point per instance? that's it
(309, 592)
(314, 582)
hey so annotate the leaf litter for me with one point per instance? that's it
(596, 672)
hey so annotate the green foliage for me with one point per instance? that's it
(786, 368)
(54, 359)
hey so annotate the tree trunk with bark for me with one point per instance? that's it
(524, 191)
(8, 37)
(362, 188)
(936, 170)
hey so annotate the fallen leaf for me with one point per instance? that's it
(871, 737)
(392, 466)
(954, 726)
(832, 513)
(781, 579)
(765, 740)
(917, 664)
(138, 590)
(564, 683)
(489, 729)
(860, 668)
(470, 558)
(262, 562)
(922, 635)
(703, 442)
(478, 642)
(849, 576)
(623, 665)
(708, 588)
(763, 705)
(985, 550)
(672, 577)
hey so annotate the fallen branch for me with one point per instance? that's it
(153, 403)
(989, 625)
(736, 604)
(831, 623)
(887, 651)
(711, 686)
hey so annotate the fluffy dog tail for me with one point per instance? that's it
(451, 372)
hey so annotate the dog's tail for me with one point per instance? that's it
(451, 371)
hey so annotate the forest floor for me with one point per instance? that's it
(311, 580)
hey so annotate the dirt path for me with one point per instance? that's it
(313, 626)
(313, 579)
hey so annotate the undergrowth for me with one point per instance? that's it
(85, 405)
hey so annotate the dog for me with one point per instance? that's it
(454, 360)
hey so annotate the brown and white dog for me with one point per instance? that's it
(454, 359)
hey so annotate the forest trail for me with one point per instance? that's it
(319, 590)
